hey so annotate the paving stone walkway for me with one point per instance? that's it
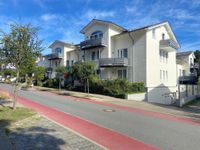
(43, 134)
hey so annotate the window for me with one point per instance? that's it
(183, 73)
(58, 50)
(154, 33)
(67, 63)
(160, 56)
(163, 75)
(72, 62)
(97, 54)
(122, 53)
(163, 56)
(125, 53)
(96, 35)
(122, 74)
(118, 53)
(93, 55)
(166, 57)
(163, 36)
(191, 62)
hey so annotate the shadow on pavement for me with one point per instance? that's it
(32, 138)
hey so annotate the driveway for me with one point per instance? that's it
(158, 130)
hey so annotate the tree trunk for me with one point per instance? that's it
(88, 88)
(16, 87)
(59, 83)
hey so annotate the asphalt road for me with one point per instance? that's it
(161, 133)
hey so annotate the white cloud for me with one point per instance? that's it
(91, 14)
(49, 17)
(191, 46)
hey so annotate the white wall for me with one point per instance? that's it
(154, 65)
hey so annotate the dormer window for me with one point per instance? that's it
(96, 35)
(58, 50)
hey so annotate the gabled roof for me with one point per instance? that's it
(101, 21)
(149, 27)
(61, 42)
(181, 55)
(186, 53)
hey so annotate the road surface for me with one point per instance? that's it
(158, 132)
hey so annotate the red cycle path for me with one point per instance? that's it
(103, 136)
(136, 110)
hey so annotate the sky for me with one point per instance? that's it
(63, 19)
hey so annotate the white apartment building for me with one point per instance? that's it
(146, 54)
(186, 67)
(62, 54)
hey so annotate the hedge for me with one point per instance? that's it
(116, 88)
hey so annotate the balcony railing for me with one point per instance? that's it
(49, 69)
(194, 66)
(113, 62)
(54, 56)
(87, 44)
(168, 45)
(191, 78)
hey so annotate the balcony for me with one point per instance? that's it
(191, 79)
(168, 45)
(113, 62)
(49, 69)
(194, 66)
(92, 43)
(54, 56)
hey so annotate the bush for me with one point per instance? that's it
(116, 88)
(51, 83)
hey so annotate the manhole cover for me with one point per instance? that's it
(109, 110)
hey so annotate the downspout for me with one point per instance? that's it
(133, 59)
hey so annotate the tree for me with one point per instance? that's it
(20, 46)
(39, 74)
(60, 70)
(82, 72)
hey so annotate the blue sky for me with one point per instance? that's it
(63, 19)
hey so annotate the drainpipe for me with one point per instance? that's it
(133, 52)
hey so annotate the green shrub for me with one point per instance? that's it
(116, 88)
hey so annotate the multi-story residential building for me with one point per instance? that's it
(186, 67)
(62, 54)
(146, 54)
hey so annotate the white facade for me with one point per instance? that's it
(148, 60)
(62, 54)
(144, 55)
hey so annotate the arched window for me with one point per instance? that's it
(96, 35)
(58, 50)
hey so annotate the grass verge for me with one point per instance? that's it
(193, 102)
(9, 116)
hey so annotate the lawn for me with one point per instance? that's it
(195, 102)
(9, 116)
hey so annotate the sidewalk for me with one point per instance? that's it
(4, 141)
(193, 114)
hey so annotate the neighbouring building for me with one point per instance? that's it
(146, 54)
(62, 54)
(186, 67)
